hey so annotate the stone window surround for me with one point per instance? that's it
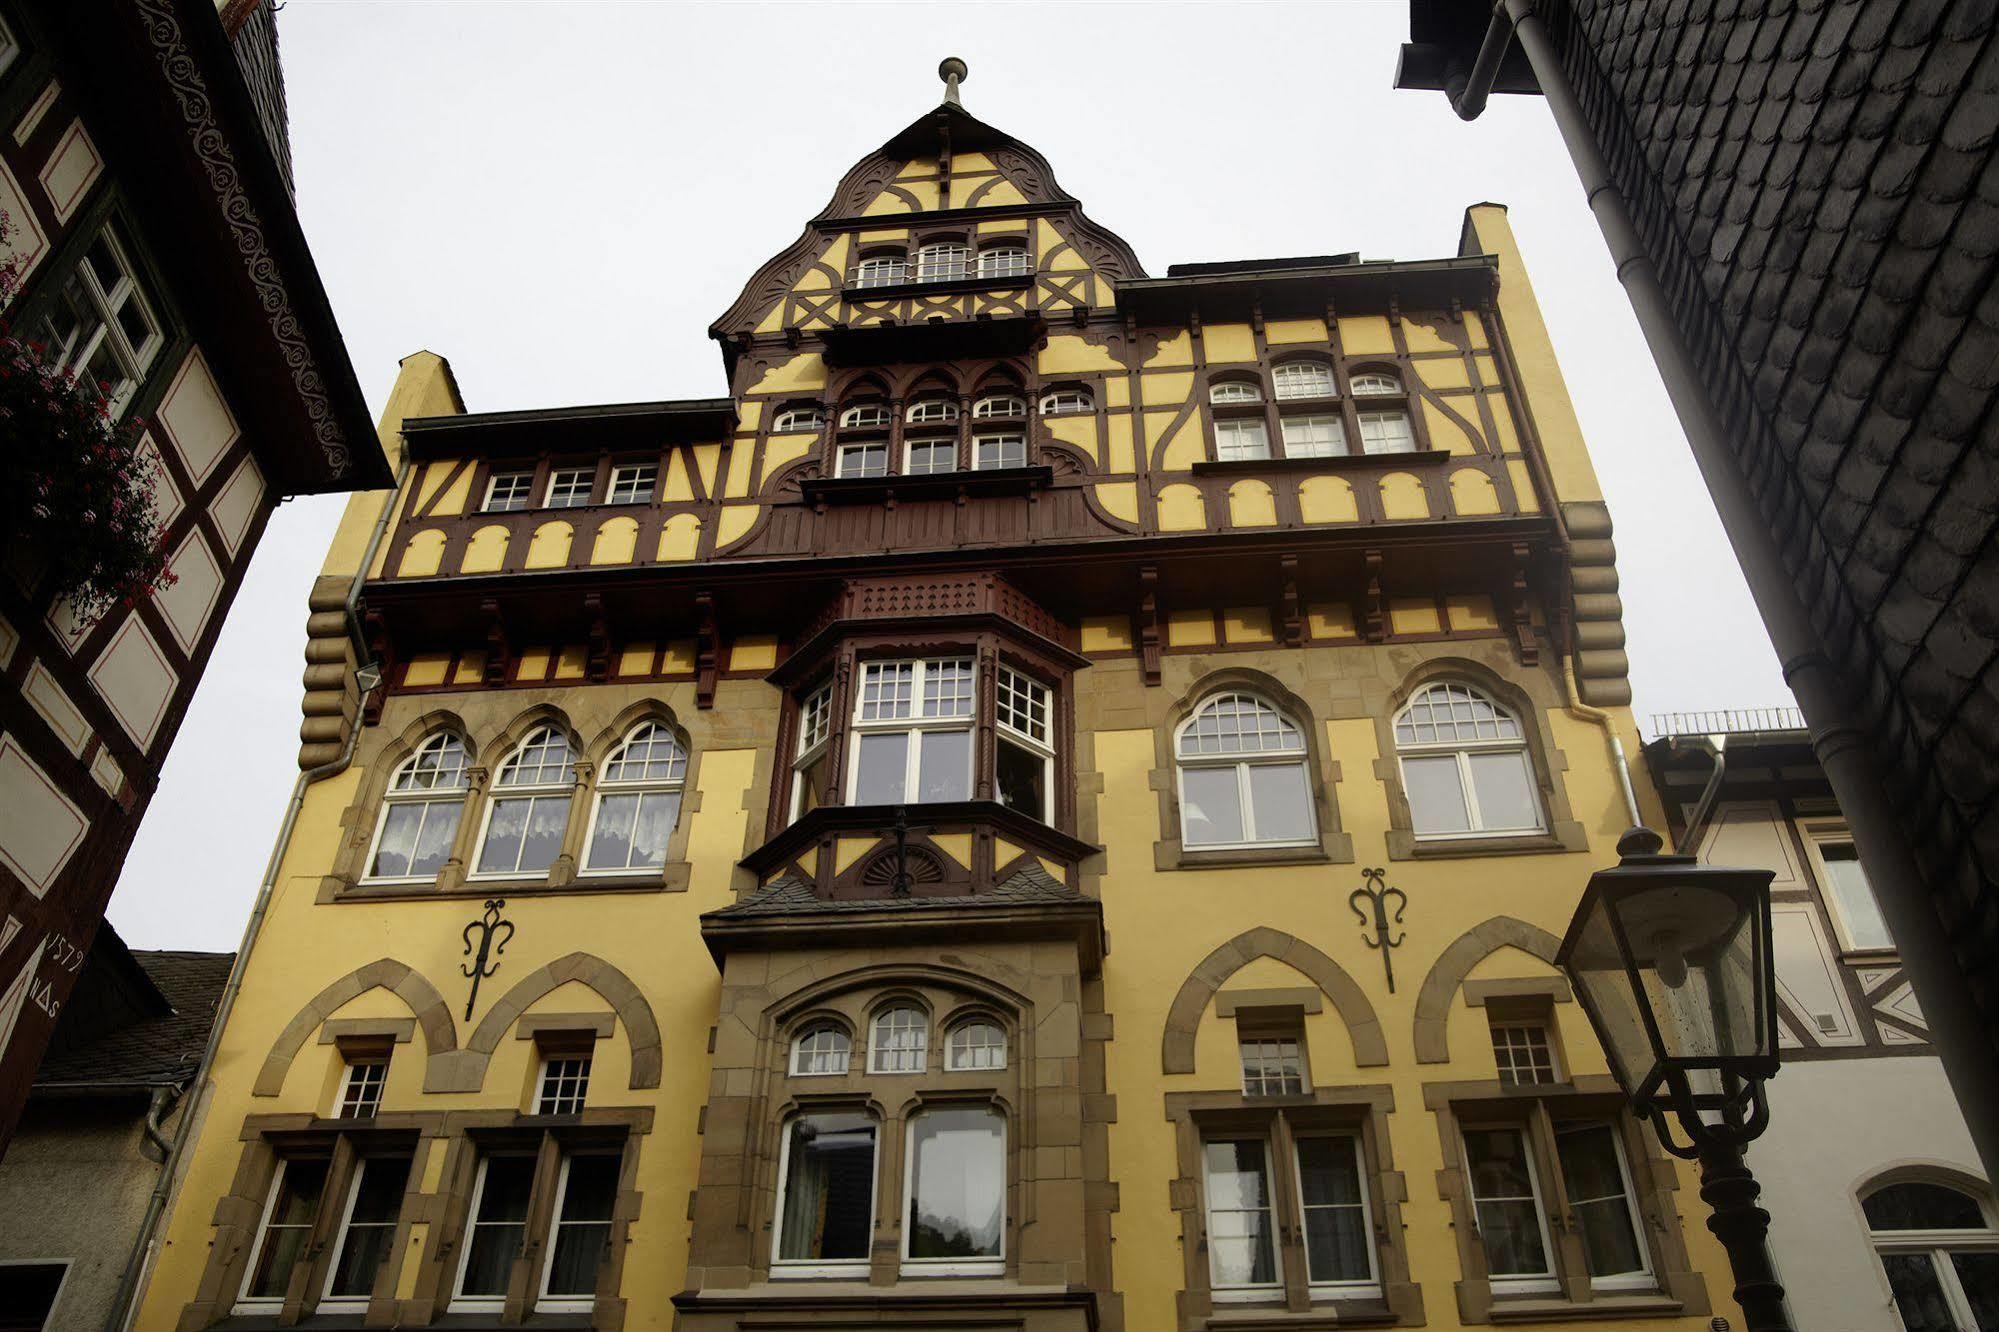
(348, 880)
(1360, 1109)
(1335, 845)
(1528, 699)
(1277, 1014)
(989, 647)
(459, 1135)
(1681, 1290)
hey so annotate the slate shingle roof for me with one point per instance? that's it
(1816, 182)
(156, 1051)
(791, 895)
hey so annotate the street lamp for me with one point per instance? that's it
(1671, 961)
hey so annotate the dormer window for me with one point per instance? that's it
(1234, 392)
(797, 420)
(864, 415)
(1066, 402)
(999, 404)
(942, 261)
(881, 270)
(1303, 379)
(931, 411)
(1000, 261)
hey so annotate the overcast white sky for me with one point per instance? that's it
(560, 197)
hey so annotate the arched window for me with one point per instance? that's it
(974, 1045)
(1940, 1248)
(881, 270)
(1303, 379)
(864, 414)
(798, 419)
(1227, 392)
(900, 1040)
(1000, 404)
(942, 261)
(1374, 384)
(529, 808)
(638, 802)
(1242, 776)
(822, 1050)
(1066, 402)
(420, 811)
(996, 261)
(931, 411)
(1465, 765)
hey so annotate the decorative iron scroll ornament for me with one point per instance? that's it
(488, 926)
(1378, 893)
(899, 886)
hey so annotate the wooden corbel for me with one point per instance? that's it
(499, 649)
(707, 650)
(1374, 622)
(1294, 604)
(1519, 609)
(792, 336)
(1256, 315)
(383, 652)
(1145, 618)
(597, 640)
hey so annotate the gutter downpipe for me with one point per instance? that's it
(144, 1249)
(1957, 1028)
(1582, 711)
(1468, 93)
(1716, 748)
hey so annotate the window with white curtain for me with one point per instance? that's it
(1465, 766)
(529, 808)
(637, 802)
(974, 1046)
(1242, 1220)
(1387, 432)
(1313, 435)
(421, 810)
(1242, 777)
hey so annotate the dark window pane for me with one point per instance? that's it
(498, 1228)
(1023, 780)
(882, 769)
(371, 1226)
(829, 1189)
(1919, 1206)
(1978, 1273)
(957, 1192)
(287, 1228)
(1336, 1238)
(1511, 1232)
(585, 1225)
(1919, 1295)
(28, 1295)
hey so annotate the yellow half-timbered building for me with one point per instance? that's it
(1049, 806)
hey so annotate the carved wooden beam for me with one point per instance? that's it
(384, 653)
(1145, 619)
(707, 650)
(1294, 604)
(1374, 623)
(597, 641)
(499, 648)
(1519, 608)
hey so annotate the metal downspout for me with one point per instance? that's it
(144, 1247)
(1581, 711)
(157, 1110)
(1956, 1026)
(1468, 94)
(1716, 748)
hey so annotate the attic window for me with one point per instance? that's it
(881, 270)
(945, 261)
(1004, 261)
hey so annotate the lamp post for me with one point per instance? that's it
(1671, 961)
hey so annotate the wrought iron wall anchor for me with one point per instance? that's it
(899, 886)
(489, 926)
(1377, 894)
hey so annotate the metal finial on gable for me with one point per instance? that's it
(953, 72)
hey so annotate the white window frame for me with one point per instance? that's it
(942, 261)
(877, 1048)
(911, 725)
(1000, 405)
(1067, 402)
(1936, 1245)
(1463, 750)
(789, 422)
(638, 786)
(796, 1064)
(66, 1264)
(862, 449)
(930, 410)
(460, 1302)
(1002, 439)
(557, 475)
(910, 446)
(1283, 375)
(1234, 393)
(247, 1303)
(953, 1055)
(1239, 439)
(1644, 1278)
(1374, 447)
(1355, 1289)
(781, 1268)
(1246, 1041)
(1042, 747)
(1522, 1283)
(882, 270)
(1242, 761)
(348, 1079)
(950, 1267)
(531, 794)
(817, 704)
(545, 1302)
(1374, 384)
(520, 497)
(870, 415)
(134, 361)
(1007, 260)
(546, 1069)
(1545, 1045)
(627, 477)
(427, 795)
(328, 1301)
(1815, 832)
(1244, 1294)
(1336, 447)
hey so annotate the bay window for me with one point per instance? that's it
(811, 768)
(927, 457)
(1024, 757)
(912, 733)
(956, 1217)
(826, 1196)
(868, 459)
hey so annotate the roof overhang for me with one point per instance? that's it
(1275, 292)
(607, 426)
(1444, 37)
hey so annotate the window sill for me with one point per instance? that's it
(928, 486)
(1550, 1309)
(1325, 1314)
(1566, 837)
(335, 888)
(1332, 848)
(1338, 462)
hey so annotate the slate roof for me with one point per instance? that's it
(155, 1051)
(792, 895)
